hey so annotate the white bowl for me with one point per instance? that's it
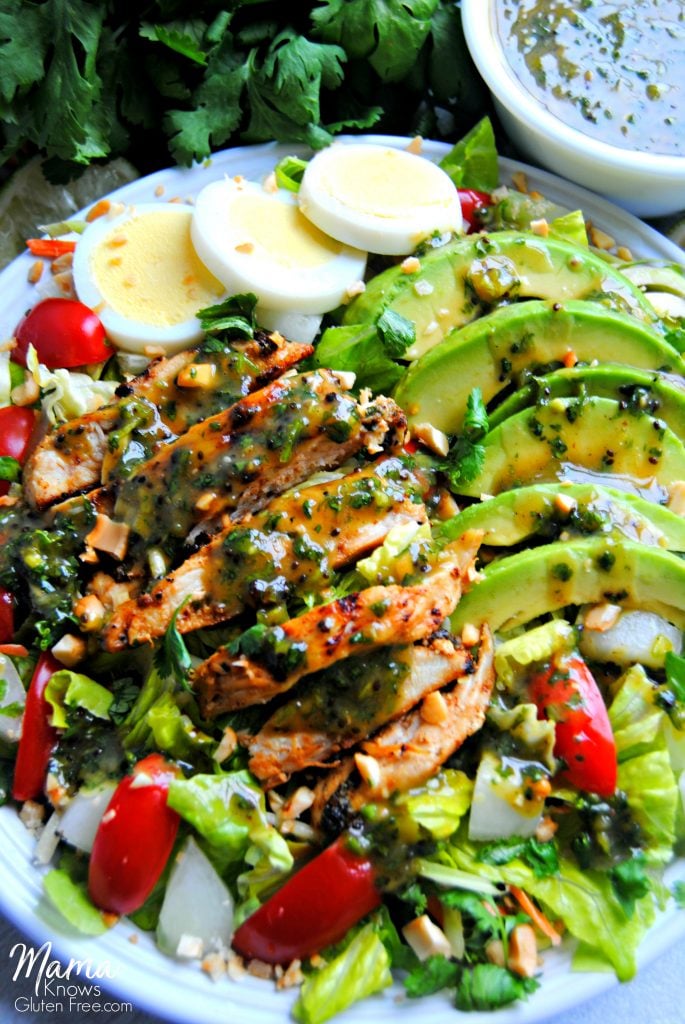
(647, 184)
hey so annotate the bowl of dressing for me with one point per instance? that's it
(591, 89)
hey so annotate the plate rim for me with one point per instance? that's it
(136, 986)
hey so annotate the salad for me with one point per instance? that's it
(345, 644)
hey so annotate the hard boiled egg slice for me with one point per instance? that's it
(380, 199)
(140, 273)
(258, 241)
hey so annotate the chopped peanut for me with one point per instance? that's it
(109, 536)
(99, 210)
(426, 939)
(470, 635)
(69, 650)
(565, 503)
(368, 768)
(520, 181)
(411, 265)
(602, 617)
(540, 227)
(624, 253)
(415, 146)
(90, 611)
(523, 951)
(676, 500)
(433, 438)
(36, 271)
(434, 708)
(600, 239)
(494, 951)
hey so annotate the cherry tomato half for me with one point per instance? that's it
(38, 737)
(64, 333)
(315, 908)
(567, 693)
(134, 838)
(472, 202)
(6, 616)
(16, 428)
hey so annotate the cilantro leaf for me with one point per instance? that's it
(466, 455)
(22, 47)
(415, 896)
(434, 974)
(235, 314)
(472, 162)
(488, 987)
(396, 332)
(543, 858)
(184, 37)
(172, 659)
(387, 33)
(216, 107)
(284, 89)
(630, 882)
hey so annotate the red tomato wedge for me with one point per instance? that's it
(472, 202)
(64, 333)
(315, 908)
(16, 428)
(6, 618)
(134, 839)
(568, 694)
(38, 737)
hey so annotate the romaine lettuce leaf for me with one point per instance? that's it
(534, 645)
(437, 807)
(67, 689)
(472, 162)
(362, 969)
(71, 899)
(652, 793)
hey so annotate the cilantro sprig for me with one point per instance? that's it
(466, 455)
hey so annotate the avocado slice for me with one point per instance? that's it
(547, 510)
(656, 276)
(580, 439)
(493, 352)
(518, 589)
(657, 393)
(461, 280)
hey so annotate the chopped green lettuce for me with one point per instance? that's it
(229, 812)
(534, 737)
(289, 172)
(437, 807)
(570, 227)
(434, 974)
(652, 793)
(362, 969)
(71, 900)
(67, 689)
(381, 566)
(488, 987)
(67, 394)
(535, 645)
(358, 348)
(175, 732)
(472, 162)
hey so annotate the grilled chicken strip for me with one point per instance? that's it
(292, 545)
(235, 462)
(341, 705)
(353, 625)
(410, 750)
(152, 409)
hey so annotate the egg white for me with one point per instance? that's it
(377, 198)
(139, 271)
(254, 240)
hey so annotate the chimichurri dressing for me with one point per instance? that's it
(612, 70)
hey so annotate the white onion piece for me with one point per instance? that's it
(14, 693)
(499, 808)
(636, 636)
(293, 326)
(83, 814)
(49, 840)
(197, 912)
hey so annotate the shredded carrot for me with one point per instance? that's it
(570, 359)
(535, 914)
(49, 247)
(14, 650)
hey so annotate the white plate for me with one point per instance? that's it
(138, 972)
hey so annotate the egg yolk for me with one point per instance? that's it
(380, 183)
(147, 270)
(279, 232)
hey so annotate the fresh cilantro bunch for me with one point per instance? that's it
(84, 80)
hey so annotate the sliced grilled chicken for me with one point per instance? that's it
(341, 705)
(290, 546)
(355, 625)
(235, 462)
(411, 750)
(166, 400)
